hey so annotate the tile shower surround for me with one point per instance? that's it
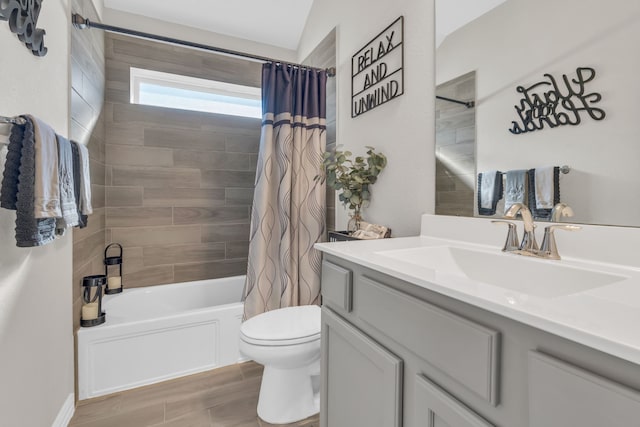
(179, 184)
(174, 187)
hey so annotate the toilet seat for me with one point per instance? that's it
(285, 326)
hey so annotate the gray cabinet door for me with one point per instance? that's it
(464, 350)
(362, 381)
(563, 395)
(437, 408)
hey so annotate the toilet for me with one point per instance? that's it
(287, 342)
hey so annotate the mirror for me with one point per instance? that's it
(487, 48)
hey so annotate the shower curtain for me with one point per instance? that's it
(288, 214)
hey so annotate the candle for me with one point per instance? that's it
(114, 283)
(90, 311)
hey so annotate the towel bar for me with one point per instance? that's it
(12, 120)
(565, 169)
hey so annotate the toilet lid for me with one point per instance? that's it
(290, 325)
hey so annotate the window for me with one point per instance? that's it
(190, 93)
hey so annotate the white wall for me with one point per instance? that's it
(99, 5)
(403, 128)
(36, 341)
(182, 32)
(518, 42)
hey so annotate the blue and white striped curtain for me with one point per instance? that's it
(289, 206)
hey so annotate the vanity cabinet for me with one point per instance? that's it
(365, 388)
(397, 354)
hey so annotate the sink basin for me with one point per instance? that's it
(543, 278)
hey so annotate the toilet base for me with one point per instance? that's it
(288, 395)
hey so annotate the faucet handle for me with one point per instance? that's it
(511, 243)
(549, 249)
(561, 210)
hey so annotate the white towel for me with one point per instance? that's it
(4, 150)
(544, 187)
(487, 191)
(46, 202)
(85, 181)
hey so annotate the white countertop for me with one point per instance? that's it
(606, 318)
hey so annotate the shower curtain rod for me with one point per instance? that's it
(468, 104)
(81, 23)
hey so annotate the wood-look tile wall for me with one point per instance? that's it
(455, 148)
(324, 56)
(87, 127)
(179, 183)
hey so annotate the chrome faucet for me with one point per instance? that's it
(528, 246)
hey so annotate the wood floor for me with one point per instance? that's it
(224, 397)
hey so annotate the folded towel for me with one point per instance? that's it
(67, 197)
(47, 187)
(515, 190)
(544, 188)
(489, 192)
(547, 190)
(9, 187)
(30, 231)
(85, 181)
(82, 219)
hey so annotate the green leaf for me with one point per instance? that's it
(351, 177)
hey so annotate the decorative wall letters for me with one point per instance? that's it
(23, 18)
(555, 103)
(377, 70)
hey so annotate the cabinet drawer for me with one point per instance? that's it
(336, 286)
(561, 394)
(437, 408)
(466, 351)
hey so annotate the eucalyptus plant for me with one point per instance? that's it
(353, 177)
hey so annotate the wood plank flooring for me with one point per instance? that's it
(224, 397)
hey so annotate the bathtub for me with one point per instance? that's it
(157, 333)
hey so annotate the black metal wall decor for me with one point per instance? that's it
(554, 103)
(377, 74)
(23, 18)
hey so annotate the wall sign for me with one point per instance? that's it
(552, 103)
(23, 18)
(377, 70)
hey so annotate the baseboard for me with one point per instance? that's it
(66, 412)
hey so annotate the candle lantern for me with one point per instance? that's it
(113, 270)
(92, 314)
